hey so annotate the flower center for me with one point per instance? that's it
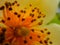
(22, 31)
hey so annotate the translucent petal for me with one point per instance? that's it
(55, 30)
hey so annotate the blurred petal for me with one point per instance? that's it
(51, 7)
(55, 32)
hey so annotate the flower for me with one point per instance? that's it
(25, 22)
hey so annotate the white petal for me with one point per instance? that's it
(55, 33)
(51, 7)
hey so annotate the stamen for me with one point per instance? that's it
(7, 4)
(3, 29)
(15, 13)
(33, 10)
(38, 36)
(41, 42)
(25, 41)
(30, 37)
(6, 43)
(10, 8)
(32, 15)
(8, 18)
(23, 19)
(18, 5)
(2, 21)
(1, 8)
(2, 36)
(42, 31)
(45, 41)
(30, 5)
(15, 1)
(32, 30)
(39, 16)
(50, 42)
(19, 16)
(48, 33)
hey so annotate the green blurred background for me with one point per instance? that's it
(56, 19)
